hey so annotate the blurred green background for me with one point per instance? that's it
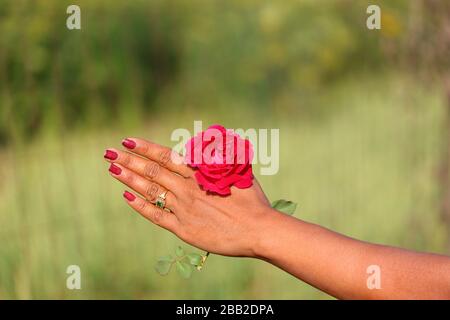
(363, 118)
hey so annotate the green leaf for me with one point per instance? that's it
(163, 267)
(285, 206)
(184, 269)
(194, 258)
(179, 251)
(164, 264)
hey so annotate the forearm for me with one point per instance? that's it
(243, 224)
(338, 264)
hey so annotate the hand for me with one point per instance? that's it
(224, 225)
(243, 224)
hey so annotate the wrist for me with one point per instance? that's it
(266, 233)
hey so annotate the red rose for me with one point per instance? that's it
(222, 159)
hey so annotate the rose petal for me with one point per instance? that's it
(228, 181)
(210, 173)
(224, 192)
(244, 183)
(203, 181)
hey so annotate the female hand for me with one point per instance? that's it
(224, 225)
(243, 224)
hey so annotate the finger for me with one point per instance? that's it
(147, 169)
(151, 212)
(160, 154)
(150, 190)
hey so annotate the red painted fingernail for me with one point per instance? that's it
(130, 144)
(115, 169)
(111, 155)
(129, 196)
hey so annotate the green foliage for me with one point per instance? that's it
(285, 206)
(164, 264)
(270, 53)
(184, 269)
(184, 262)
(122, 57)
(195, 259)
(367, 172)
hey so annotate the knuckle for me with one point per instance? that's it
(164, 157)
(152, 191)
(129, 178)
(151, 170)
(141, 206)
(158, 215)
(127, 160)
(145, 148)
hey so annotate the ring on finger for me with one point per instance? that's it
(161, 200)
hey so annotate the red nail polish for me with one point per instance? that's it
(111, 155)
(130, 144)
(115, 169)
(129, 196)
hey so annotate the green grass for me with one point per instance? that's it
(367, 170)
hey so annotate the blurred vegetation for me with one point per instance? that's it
(361, 132)
(128, 52)
(52, 76)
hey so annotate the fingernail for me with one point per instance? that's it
(115, 169)
(130, 144)
(129, 196)
(111, 155)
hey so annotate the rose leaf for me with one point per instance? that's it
(195, 259)
(285, 206)
(164, 264)
(184, 269)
